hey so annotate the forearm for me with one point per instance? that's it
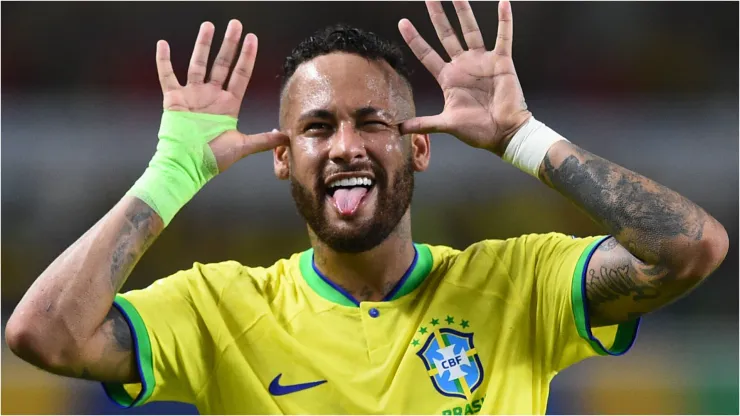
(70, 301)
(657, 225)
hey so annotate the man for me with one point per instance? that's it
(366, 321)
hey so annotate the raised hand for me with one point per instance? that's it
(216, 96)
(484, 103)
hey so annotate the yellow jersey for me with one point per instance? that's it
(483, 330)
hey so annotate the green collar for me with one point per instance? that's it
(414, 276)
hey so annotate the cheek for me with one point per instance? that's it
(395, 146)
(307, 148)
(391, 148)
(385, 142)
(306, 159)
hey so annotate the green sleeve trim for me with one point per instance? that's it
(143, 353)
(626, 332)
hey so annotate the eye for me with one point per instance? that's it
(317, 127)
(374, 123)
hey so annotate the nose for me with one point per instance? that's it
(347, 145)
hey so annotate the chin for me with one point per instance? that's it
(351, 243)
(359, 233)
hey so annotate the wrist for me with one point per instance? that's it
(183, 162)
(528, 146)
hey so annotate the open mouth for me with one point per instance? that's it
(348, 193)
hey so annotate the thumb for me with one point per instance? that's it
(423, 125)
(232, 146)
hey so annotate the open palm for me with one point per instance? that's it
(484, 103)
(216, 96)
(198, 96)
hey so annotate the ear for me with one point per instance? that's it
(420, 151)
(281, 162)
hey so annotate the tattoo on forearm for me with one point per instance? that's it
(134, 238)
(120, 332)
(640, 213)
(114, 362)
(651, 225)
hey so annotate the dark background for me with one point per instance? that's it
(652, 86)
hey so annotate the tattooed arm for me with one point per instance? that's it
(65, 323)
(663, 245)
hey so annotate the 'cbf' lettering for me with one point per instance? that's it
(452, 362)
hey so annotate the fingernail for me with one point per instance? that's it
(275, 131)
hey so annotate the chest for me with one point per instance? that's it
(432, 356)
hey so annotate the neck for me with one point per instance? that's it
(372, 274)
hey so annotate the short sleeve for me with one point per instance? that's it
(175, 349)
(564, 334)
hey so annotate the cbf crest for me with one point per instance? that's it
(450, 357)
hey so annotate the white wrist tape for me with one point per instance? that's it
(528, 147)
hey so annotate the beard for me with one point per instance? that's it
(392, 202)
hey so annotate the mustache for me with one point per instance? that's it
(354, 167)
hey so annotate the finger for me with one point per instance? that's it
(421, 49)
(225, 57)
(471, 32)
(233, 146)
(445, 32)
(505, 29)
(244, 66)
(423, 125)
(262, 142)
(167, 79)
(199, 59)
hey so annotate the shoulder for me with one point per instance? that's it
(495, 250)
(490, 261)
(213, 281)
(530, 247)
(244, 282)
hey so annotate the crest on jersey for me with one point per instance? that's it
(451, 359)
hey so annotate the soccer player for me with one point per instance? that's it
(366, 320)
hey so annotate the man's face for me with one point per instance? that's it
(351, 172)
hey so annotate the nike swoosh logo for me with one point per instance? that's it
(279, 390)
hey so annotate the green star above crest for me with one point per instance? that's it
(464, 324)
(415, 343)
(434, 322)
(423, 330)
(450, 320)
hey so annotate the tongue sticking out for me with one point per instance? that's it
(347, 200)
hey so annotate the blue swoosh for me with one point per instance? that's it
(277, 390)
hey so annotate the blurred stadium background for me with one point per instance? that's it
(652, 86)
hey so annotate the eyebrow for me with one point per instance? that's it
(366, 111)
(359, 113)
(318, 113)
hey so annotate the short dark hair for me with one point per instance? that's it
(344, 38)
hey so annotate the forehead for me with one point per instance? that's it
(341, 82)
